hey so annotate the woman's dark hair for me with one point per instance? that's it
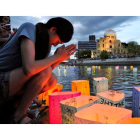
(42, 47)
(64, 28)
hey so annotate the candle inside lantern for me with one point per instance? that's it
(102, 114)
(81, 86)
(54, 105)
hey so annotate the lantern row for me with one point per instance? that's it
(77, 106)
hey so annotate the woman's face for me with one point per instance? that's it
(54, 38)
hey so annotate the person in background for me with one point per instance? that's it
(26, 68)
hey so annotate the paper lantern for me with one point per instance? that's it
(102, 114)
(131, 67)
(125, 67)
(117, 67)
(112, 98)
(131, 121)
(89, 69)
(81, 86)
(100, 84)
(93, 67)
(54, 105)
(70, 106)
(44, 98)
(136, 101)
(99, 67)
(134, 69)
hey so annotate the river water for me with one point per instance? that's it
(120, 78)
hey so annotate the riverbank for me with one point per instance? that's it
(135, 61)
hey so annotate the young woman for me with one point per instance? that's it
(25, 67)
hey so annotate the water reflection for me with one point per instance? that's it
(120, 78)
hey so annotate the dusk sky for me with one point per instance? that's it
(126, 27)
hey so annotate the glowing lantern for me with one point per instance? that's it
(99, 67)
(136, 101)
(131, 121)
(131, 67)
(134, 69)
(112, 98)
(102, 114)
(44, 96)
(125, 67)
(89, 69)
(93, 67)
(81, 86)
(70, 106)
(100, 84)
(54, 105)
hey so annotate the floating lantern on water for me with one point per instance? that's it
(54, 105)
(89, 69)
(112, 98)
(117, 67)
(81, 86)
(100, 84)
(136, 101)
(131, 67)
(93, 67)
(44, 97)
(102, 114)
(70, 106)
(134, 70)
(125, 67)
(131, 121)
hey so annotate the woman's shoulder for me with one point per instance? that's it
(27, 25)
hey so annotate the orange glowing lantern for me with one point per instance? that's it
(102, 114)
(70, 106)
(93, 67)
(54, 105)
(131, 121)
(81, 86)
(44, 96)
(131, 67)
(112, 98)
(100, 84)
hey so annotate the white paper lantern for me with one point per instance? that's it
(134, 70)
(112, 98)
(100, 84)
(70, 106)
(102, 114)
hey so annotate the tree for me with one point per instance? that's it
(104, 54)
(83, 54)
(133, 47)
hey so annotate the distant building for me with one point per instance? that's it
(109, 43)
(87, 45)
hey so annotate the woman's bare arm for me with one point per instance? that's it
(32, 66)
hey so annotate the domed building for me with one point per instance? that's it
(109, 43)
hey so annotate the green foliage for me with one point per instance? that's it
(104, 54)
(83, 54)
(133, 47)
